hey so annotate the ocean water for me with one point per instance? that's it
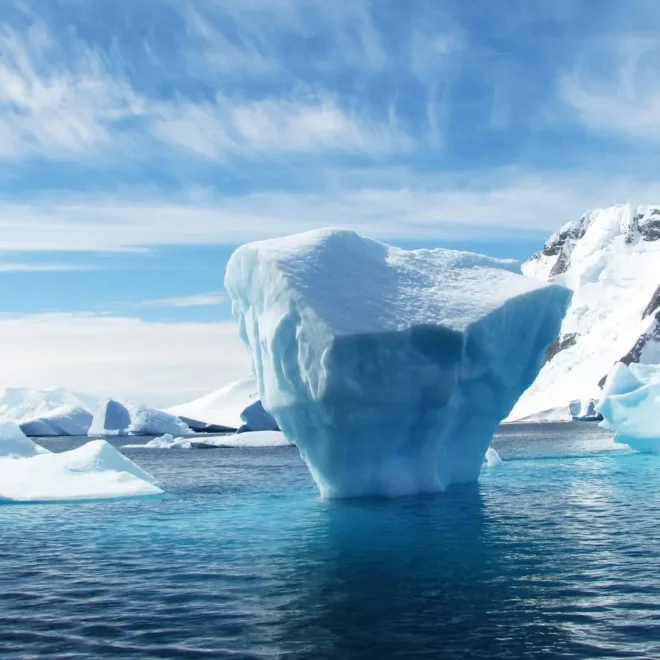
(554, 554)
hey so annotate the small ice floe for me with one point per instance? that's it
(29, 472)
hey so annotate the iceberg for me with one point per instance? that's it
(114, 418)
(96, 470)
(243, 440)
(24, 403)
(631, 405)
(389, 369)
(65, 420)
(167, 441)
(236, 406)
(15, 444)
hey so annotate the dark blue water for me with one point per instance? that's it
(555, 554)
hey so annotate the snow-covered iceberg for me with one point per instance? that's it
(96, 470)
(631, 405)
(389, 369)
(24, 403)
(167, 441)
(114, 418)
(236, 406)
(610, 259)
(65, 420)
(243, 440)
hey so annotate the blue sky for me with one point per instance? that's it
(140, 142)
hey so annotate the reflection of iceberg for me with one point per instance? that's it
(631, 405)
(29, 472)
(114, 418)
(390, 369)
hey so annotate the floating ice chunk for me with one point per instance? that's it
(631, 405)
(389, 369)
(64, 420)
(167, 441)
(114, 418)
(235, 406)
(248, 439)
(95, 470)
(15, 444)
(492, 458)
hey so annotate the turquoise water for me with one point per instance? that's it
(552, 555)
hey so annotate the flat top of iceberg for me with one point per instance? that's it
(397, 288)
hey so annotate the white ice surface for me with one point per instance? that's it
(167, 441)
(15, 444)
(492, 458)
(389, 369)
(613, 275)
(94, 471)
(631, 406)
(233, 406)
(248, 439)
(65, 420)
(22, 403)
(113, 418)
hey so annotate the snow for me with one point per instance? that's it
(68, 419)
(114, 418)
(20, 403)
(492, 458)
(15, 444)
(389, 369)
(248, 439)
(167, 441)
(235, 406)
(631, 406)
(96, 470)
(611, 261)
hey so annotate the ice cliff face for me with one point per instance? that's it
(610, 258)
(389, 369)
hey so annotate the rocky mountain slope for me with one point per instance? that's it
(610, 258)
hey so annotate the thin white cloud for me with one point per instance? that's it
(614, 89)
(195, 300)
(126, 358)
(27, 267)
(421, 208)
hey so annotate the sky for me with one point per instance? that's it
(141, 142)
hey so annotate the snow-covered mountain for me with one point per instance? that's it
(21, 403)
(610, 258)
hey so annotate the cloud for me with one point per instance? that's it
(265, 128)
(389, 205)
(613, 89)
(194, 300)
(55, 104)
(18, 267)
(160, 363)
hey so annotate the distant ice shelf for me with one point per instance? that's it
(389, 369)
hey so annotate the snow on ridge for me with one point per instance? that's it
(610, 258)
(25, 403)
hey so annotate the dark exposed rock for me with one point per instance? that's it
(649, 225)
(562, 343)
(652, 335)
(654, 304)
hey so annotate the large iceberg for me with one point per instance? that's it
(389, 369)
(68, 419)
(113, 418)
(631, 405)
(29, 472)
